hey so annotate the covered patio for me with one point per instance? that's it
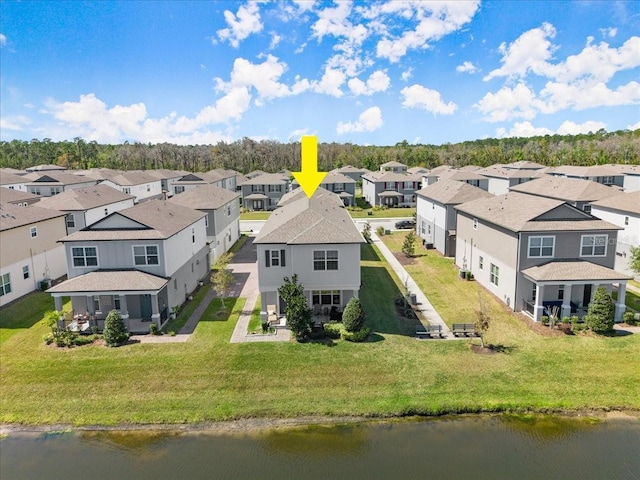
(347, 199)
(570, 286)
(390, 198)
(256, 201)
(141, 298)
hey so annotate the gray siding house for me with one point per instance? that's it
(316, 239)
(391, 189)
(53, 183)
(141, 261)
(596, 173)
(537, 253)
(263, 192)
(342, 185)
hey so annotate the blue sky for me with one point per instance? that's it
(361, 72)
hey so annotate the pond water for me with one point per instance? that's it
(449, 448)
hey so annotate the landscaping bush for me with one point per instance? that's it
(353, 315)
(380, 231)
(115, 331)
(599, 317)
(357, 336)
(333, 330)
(545, 320)
(153, 328)
(629, 318)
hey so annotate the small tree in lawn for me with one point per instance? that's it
(634, 261)
(297, 311)
(366, 232)
(600, 316)
(115, 331)
(353, 315)
(222, 277)
(409, 245)
(482, 324)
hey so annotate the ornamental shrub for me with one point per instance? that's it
(115, 331)
(353, 315)
(600, 315)
(629, 318)
(357, 336)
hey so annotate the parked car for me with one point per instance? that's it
(402, 224)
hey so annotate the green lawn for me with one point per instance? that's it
(208, 379)
(254, 215)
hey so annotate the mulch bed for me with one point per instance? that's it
(480, 350)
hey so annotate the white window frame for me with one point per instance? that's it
(84, 257)
(274, 258)
(542, 246)
(323, 256)
(5, 284)
(146, 255)
(494, 275)
(96, 304)
(481, 262)
(596, 243)
(70, 220)
(25, 272)
(334, 294)
(33, 232)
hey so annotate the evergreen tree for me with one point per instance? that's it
(353, 315)
(222, 278)
(115, 331)
(296, 309)
(409, 245)
(600, 316)
(634, 262)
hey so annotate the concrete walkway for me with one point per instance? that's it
(424, 306)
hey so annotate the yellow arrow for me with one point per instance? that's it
(309, 178)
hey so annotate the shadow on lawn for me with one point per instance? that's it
(217, 313)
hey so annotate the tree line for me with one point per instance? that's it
(246, 154)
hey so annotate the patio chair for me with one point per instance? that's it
(316, 309)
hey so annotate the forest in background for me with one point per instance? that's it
(246, 154)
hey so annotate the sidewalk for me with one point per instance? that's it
(425, 307)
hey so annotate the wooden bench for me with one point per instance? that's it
(464, 329)
(429, 331)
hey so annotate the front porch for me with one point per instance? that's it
(390, 198)
(567, 288)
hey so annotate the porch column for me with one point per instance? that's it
(155, 313)
(566, 302)
(124, 310)
(58, 303)
(620, 306)
(538, 310)
(90, 308)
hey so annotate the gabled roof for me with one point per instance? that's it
(520, 212)
(524, 165)
(156, 219)
(205, 197)
(320, 219)
(350, 169)
(224, 173)
(268, 179)
(332, 178)
(133, 177)
(572, 270)
(201, 178)
(393, 163)
(85, 198)
(111, 281)
(13, 216)
(452, 192)
(499, 171)
(382, 176)
(580, 171)
(165, 173)
(59, 178)
(9, 178)
(421, 170)
(454, 174)
(625, 169)
(45, 167)
(9, 195)
(625, 202)
(567, 189)
(98, 173)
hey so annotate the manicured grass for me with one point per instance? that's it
(631, 300)
(207, 378)
(239, 243)
(255, 325)
(386, 213)
(176, 324)
(254, 215)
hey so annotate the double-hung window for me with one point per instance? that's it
(71, 221)
(541, 247)
(84, 256)
(5, 284)
(33, 231)
(25, 272)
(593, 245)
(325, 260)
(274, 258)
(495, 274)
(145, 255)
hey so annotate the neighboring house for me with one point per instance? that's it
(167, 178)
(343, 186)
(243, 178)
(52, 183)
(98, 174)
(575, 191)
(85, 206)
(622, 210)
(228, 178)
(223, 215)
(141, 261)
(353, 173)
(420, 170)
(631, 180)
(46, 168)
(219, 178)
(138, 183)
(13, 181)
(535, 253)
(264, 191)
(436, 215)
(524, 165)
(500, 179)
(18, 197)
(466, 176)
(316, 239)
(30, 252)
(596, 173)
(393, 166)
(390, 188)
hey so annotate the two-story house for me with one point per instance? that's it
(391, 189)
(167, 178)
(342, 185)
(316, 239)
(393, 166)
(467, 176)
(263, 192)
(85, 206)
(138, 183)
(52, 183)
(501, 178)
(222, 207)
(18, 197)
(536, 253)
(622, 210)
(436, 215)
(575, 191)
(30, 256)
(354, 173)
(631, 179)
(596, 173)
(141, 261)
(13, 181)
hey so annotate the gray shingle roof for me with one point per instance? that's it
(320, 219)
(9, 178)
(133, 177)
(572, 270)
(9, 195)
(499, 171)
(85, 198)
(580, 171)
(55, 178)
(452, 192)
(205, 197)
(111, 281)
(568, 189)
(13, 216)
(268, 179)
(625, 202)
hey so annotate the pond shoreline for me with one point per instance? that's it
(249, 425)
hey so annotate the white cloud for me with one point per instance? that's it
(368, 121)
(3, 39)
(275, 40)
(609, 32)
(582, 95)
(530, 52)
(526, 129)
(417, 96)
(570, 128)
(330, 83)
(14, 122)
(378, 81)
(407, 74)
(466, 67)
(508, 103)
(296, 134)
(304, 5)
(635, 126)
(334, 21)
(245, 22)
